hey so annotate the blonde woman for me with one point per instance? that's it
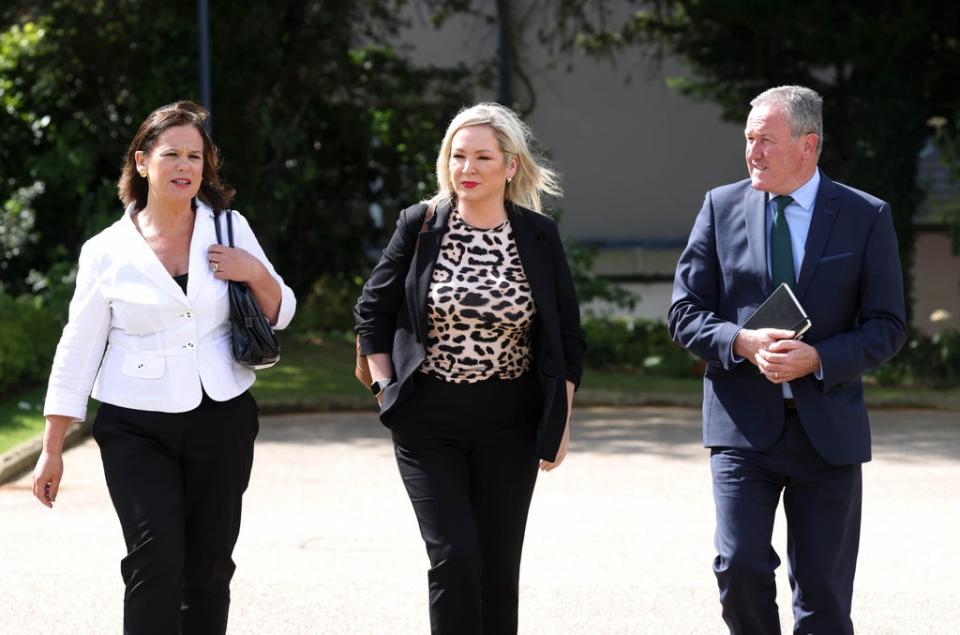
(472, 330)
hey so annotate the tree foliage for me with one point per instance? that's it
(316, 116)
(885, 69)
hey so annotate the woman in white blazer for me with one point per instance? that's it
(149, 335)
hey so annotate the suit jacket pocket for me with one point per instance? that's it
(142, 366)
(836, 257)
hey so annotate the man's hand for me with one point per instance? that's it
(786, 360)
(751, 341)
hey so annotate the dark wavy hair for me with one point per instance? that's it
(133, 188)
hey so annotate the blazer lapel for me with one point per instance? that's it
(424, 261)
(824, 213)
(145, 261)
(204, 235)
(529, 245)
(755, 216)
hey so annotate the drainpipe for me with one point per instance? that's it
(504, 93)
(203, 45)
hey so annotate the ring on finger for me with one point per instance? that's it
(214, 267)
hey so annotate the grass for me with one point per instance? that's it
(317, 375)
(913, 397)
(21, 418)
(624, 388)
(312, 375)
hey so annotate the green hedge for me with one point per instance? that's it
(645, 346)
(28, 337)
(328, 307)
(925, 360)
(637, 345)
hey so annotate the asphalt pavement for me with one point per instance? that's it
(619, 538)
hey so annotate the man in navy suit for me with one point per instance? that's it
(780, 414)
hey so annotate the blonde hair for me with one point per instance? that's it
(532, 179)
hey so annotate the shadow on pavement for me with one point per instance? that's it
(671, 433)
(362, 429)
(900, 435)
(916, 435)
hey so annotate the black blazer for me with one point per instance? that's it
(391, 313)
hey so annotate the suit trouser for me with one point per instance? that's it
(822, 506)
(467, 455)
(176, 481)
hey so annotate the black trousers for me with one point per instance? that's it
(822, 506)
(467, 455)
(176, 481)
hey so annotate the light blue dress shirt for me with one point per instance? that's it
(799, 213)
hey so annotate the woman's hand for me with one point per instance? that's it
(233, 263)
(46, 477)
(49, 469)
(546, 466)
(381, 367)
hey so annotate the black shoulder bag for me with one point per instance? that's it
(254, 343)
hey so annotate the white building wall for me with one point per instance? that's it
(636, 159)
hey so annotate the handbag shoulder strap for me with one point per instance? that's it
(431, 209)
(427, 217)
(216, 225)
(230, 227)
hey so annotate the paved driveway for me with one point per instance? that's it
(619, 539)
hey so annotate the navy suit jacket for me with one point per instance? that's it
(391, 313)
(850, 284)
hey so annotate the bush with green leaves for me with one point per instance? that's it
(328, 307)
(327, 122)
(637, 345)
(925, 360)
(28, 337)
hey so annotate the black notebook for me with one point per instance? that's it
(781, 310)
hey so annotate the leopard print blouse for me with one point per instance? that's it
(480, 308)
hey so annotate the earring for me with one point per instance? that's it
(143, 171)
(509, 179)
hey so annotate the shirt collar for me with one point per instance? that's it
(806, 195)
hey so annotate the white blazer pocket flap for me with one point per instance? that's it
(142, 366)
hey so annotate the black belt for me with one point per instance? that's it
(789, 404)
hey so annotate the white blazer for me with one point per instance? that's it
(136, 339)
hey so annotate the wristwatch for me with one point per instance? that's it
(377, 387)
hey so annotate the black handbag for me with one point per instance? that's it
(253, 341)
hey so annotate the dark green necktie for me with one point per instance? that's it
(781, 251)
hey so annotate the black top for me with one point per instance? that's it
(182, 281)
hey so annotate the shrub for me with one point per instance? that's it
(328, 307)
(28, 338)
(925, 360)
(590, 286)
(638, 345)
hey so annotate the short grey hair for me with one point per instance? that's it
(802, 105)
